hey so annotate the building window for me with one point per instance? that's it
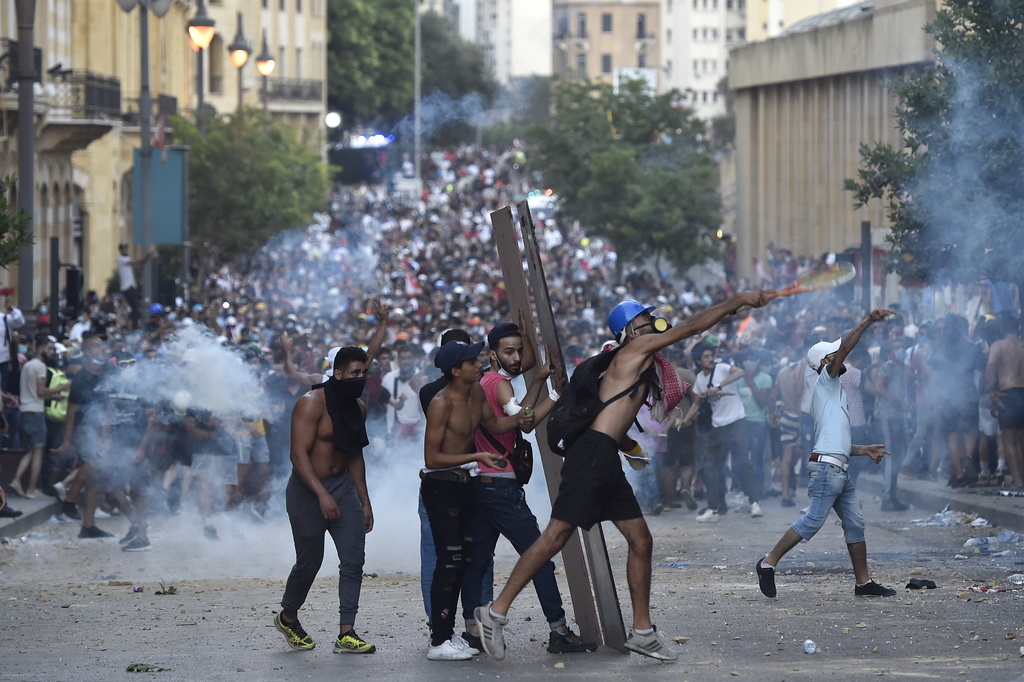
(668, 68)
(581, 25)
(606, 63)
(668, 6)
(714, 65)
(298, 6)
(265, 2)
(298, 60)
(279, 67)
(606, 22)
(641, 26)
(668, 37)
(714, 4)
(581, 67)
(741, 33)
(728, 4)
(696, 66)
(641, 60)
(704, 97)
(696, 34)
(695, 3)
(714, 34)
(280, 5)
(704, 34)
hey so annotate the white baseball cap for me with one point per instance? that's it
(817, 352)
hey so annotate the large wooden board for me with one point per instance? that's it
(596, 606)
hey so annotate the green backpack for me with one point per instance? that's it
(56, 410)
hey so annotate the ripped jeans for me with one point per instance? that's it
(451, 510)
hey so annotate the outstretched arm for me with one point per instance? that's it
(702, 321)
(851, 340)
(381, 312)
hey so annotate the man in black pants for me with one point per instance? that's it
(327, 493)
(452, 418)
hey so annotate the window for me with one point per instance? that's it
(298, 60)
(704, 96)
(606, 63)
(714, 65)
(641, 26)
(696, 66)
(581, 25)
(704, 34)
(668, 6)
(298, 6)
(696, 34)
(279, 67)
(728, 4)
(695, 3)
(265, 2)
(606, 22)
(280, 5)
(668, 37)
(741, 33)
(668, 68)
(641, 61)
(714, 34)
(581, 66)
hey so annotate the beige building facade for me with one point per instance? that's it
(602, 41)
(805, 102)
(769, 18)
(87, 113)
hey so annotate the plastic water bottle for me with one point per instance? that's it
(810, 647)
(1008, 537)
(981, 543)
(1017, 578)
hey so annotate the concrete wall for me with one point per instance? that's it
(804, 105)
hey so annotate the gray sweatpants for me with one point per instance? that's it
(308, 528)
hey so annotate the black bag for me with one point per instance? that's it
(704, 413)
(581, 402)
(521, 457)
(14, 375)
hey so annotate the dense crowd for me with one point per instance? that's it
(195, 394)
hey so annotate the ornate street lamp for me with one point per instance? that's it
(265, 64)
(239, 49)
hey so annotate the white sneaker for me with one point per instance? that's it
(709, 516)
(101, 514)
(447, 651)
(61, 491)
(460, 643)
(755, 510)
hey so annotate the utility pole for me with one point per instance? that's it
(26, 14)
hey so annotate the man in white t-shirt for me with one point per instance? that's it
(126, 278)
(404, 415)
(727, 435)
(34, 393)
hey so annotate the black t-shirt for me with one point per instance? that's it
(86, 394)
(428, 391)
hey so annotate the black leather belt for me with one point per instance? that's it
(450, 475)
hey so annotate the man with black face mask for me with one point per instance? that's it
(327, 493)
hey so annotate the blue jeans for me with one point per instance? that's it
(894, 432)
(830, 487)
(502, 510)
(713, 447)
(757, 436)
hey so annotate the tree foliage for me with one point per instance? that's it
(249, 179)
(634, 167)
(15, 226)
(954, 189)
(370, 61)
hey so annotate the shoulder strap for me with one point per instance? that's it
(494, 441)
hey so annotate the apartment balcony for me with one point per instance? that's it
(295, 90)
(80, 107)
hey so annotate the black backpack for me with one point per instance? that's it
(581, 402)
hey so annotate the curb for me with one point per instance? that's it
(1003, 512)
(29, 520)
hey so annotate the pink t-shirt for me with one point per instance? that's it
(490, 382)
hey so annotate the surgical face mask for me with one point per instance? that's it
(750, 366)
(99, 361)
(22, 348)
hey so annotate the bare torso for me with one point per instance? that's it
(326, 460)
(463, 418)
(1006, 361)
(615, 419)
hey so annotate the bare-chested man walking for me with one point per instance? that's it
(452, 420)
(594, 487)
(327, 493)
(1005, 373)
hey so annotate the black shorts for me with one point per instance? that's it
(594, 487)
(1012, 414)
(682, 449)
(959, 418)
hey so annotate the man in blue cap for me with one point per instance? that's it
(594, 487)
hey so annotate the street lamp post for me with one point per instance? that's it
(265, 65)
(240, 49)
(201, 30)
(159, 8)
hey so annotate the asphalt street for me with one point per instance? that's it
(83, 610)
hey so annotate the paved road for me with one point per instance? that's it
(63, 618)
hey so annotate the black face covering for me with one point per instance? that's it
(342, 397)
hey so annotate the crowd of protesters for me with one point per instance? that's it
(268, 324)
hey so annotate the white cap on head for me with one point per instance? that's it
(331, 354)
(817, 352)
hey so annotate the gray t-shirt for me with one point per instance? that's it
(33, 370)
(831, 417)
(895, 374)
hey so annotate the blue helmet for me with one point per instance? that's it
(156, 309)
(623, 314)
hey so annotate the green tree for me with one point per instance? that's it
(634, 167)
(370, 59)
(451, 64)
(15, 226)
(954, 188)
(249, 179)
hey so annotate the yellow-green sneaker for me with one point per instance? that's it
(294, 634)
(351, 643)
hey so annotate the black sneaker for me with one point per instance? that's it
(130, 535)
(473, 640)
(93, 532)
(210, 533)
(787, 502)
(70, 510)
(569, 643)
(873, 589)
(894, 506)
(766, 578)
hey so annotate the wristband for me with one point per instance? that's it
(553, 395)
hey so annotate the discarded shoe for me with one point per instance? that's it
(919, 584)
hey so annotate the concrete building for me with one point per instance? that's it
(805, 101)
(603, 41)
(697, 36)
(87, 117)
(515, 35)
(768, 18)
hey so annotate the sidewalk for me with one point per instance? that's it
(931, 497)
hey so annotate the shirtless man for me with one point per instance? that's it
(448, 454)
(1005, 374)
(594, 487)
(327, 493)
